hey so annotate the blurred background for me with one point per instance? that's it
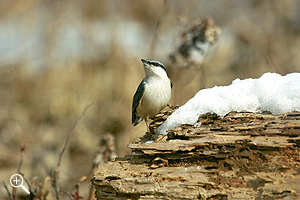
(57, 57)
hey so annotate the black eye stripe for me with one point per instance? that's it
(156, 64)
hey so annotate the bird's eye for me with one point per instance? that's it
(156, 64)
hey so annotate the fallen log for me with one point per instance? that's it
(240, 156)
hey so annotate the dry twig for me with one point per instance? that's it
(8, 193)
(56, 173)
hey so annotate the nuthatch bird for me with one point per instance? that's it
(153, 93)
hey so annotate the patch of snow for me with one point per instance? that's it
(271, 92)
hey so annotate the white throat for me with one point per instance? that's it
(155, 71)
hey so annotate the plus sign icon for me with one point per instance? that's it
(17, 180)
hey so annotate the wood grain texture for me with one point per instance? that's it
(240, 156)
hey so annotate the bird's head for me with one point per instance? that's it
(154, 68)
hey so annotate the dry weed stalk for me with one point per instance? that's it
(7, 190)
(12, 195)
(194, 41)
(56, 172)
(193, 50)
(45, 190)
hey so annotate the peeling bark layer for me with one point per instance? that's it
(240, 156)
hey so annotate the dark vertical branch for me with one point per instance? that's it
(21, 159)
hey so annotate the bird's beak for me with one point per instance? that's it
(145, 62)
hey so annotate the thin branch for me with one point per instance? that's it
(14, 193)
(199, 69)
(69, 195)
(22, 150)
(272, 62)
(56, 173)
(202, 70)
(8, 193)
(70, 133)
(14, 190)
(21, 159)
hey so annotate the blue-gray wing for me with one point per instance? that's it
(136, 100)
